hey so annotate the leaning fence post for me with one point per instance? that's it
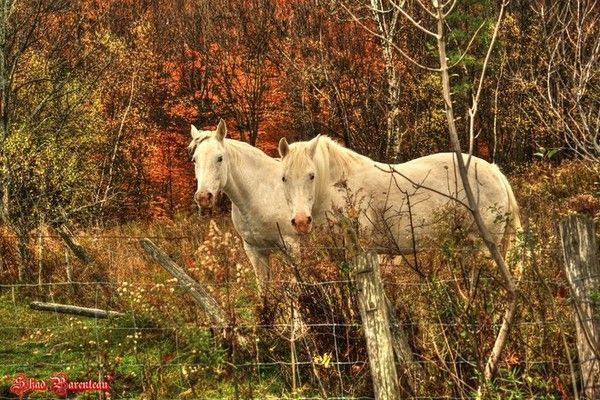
(580, 251)
(376, 324)
(201, 296)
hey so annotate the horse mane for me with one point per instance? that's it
(198, 136)
(343, 157)
(239, 146)
(338, 155)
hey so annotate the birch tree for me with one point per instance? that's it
(436, 28)
(385, 14)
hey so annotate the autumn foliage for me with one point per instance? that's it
(96, 102)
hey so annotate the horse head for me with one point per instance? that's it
(299, 181)
(211, 164)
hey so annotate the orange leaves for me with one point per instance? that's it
(512, 359)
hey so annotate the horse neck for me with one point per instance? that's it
(247, 168)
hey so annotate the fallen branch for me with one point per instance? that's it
(74, 310)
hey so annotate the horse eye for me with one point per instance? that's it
(283, 178)
(311, 176)
(220, 159)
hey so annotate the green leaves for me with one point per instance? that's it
(54, 142)
(547, 154)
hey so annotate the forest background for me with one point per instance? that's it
(97, 97)
(96, 102)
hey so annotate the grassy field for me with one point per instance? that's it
(165, 347)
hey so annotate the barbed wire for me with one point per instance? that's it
(171, 284)
(247, 327)
(266, 361)
(296, 397)
(337, 331)
(384, 252)
(283, 363)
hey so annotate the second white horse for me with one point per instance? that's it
(399, 204)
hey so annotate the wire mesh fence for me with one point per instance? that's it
(300, 338)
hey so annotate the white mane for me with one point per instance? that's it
(198, 137)
(341, 159)
(333, 158)
(243, 147)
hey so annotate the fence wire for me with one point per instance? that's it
(327, 353)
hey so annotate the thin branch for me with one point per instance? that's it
(426, 9)
(507, 321)
(118, 138)
(473, 109)
(464, 54)
(389, 41)
(415, 23)
(450, 9)
(417, 185)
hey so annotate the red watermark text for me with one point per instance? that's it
(58, 384)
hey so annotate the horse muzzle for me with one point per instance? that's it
(204, 199)
(302, 223)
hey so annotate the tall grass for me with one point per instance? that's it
(165, 347)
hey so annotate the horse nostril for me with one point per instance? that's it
(309, 220)
(210, 195)
(293, 221)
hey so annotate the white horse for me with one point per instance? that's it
(399, 205)
(252, 180)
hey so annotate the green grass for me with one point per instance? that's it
(41, 344)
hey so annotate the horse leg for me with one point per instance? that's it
(294, 253)
(260, 262)
(512, 252)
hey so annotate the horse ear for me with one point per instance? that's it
(284, 147)
(221, 130)
(195, 133)
(312, 146)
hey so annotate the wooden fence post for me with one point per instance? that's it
(79, 251)
(375, 317)
(580, 251)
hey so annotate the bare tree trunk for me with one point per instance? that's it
(40, 245)
(24, 261)
(68, 266)
(4, 188)
(386, 19)
(113, 157)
